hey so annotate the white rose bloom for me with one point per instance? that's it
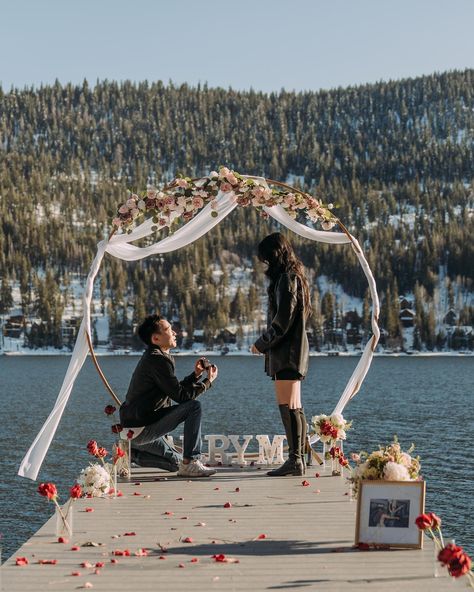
(395, 472)
(406, 459)
(341, 434)
(337, 419)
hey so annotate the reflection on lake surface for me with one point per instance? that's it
(427, 401)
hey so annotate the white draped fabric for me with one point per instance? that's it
(120, 246)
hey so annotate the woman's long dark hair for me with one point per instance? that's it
(276, 251)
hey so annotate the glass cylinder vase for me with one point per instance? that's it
(124, 465)
(65, 520)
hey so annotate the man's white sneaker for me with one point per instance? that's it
(194, 468)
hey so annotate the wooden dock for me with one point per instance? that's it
(274, 534)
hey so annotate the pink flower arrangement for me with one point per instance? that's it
(184, 197)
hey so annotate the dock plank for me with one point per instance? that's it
(308, 540)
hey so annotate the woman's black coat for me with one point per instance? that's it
(285, 343)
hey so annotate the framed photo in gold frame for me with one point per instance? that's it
(386, 513)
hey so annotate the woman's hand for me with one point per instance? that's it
(254, 350)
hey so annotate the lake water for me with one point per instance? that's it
(428, 401)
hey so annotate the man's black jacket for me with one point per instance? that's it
(153, 387)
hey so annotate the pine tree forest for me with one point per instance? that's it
(396, 159)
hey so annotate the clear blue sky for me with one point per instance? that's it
(264, 44)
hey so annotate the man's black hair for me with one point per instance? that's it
(149, 326)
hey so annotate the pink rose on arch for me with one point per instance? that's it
(116, 222)
(162, 222)
(151, 193)
(182, 183)
(226, 187)
(214, 204)
(327, 224)
(223, 172)
(198, 202)
(232, 179)
(130, 203)
(123, 209)
(187, 216)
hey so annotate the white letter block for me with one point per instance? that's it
(266, 452)
(240, 460)
(226, 459)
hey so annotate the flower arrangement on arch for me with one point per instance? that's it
(183, 197)
(452, 556)
(330, 428)
(389, 463)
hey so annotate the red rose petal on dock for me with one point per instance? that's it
(119, 493)
(317, 475)
(184, 518)
(136, 493)
(227, 505)
(47, 561)
(363, 547)
(97, 572)
(216, 488)
(194, 560)
(168, 513)
(261, 537)
(237, 489)
(141, 553)
(219, 558)
(63, 540)
(201, 524)
(76, 573)
(188, 540)
(179, 499)
(86, 565)
(181, 565)
(162, 557)
(113, 561)
(129, 534)
(89, 510)
(100, 564)
(137, 483)
(75, 548)
(305, 483)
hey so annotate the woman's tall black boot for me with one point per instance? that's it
(293, 429)
(304, 437)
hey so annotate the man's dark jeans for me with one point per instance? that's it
(188, 412)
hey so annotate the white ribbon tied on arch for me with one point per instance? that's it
(120, 246)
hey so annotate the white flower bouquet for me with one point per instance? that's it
(388, 463)
(95, 479)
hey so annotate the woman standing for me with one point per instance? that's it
(285, 343)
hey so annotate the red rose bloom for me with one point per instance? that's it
(92, 447)
(76, 491)
(460, 566)
(48, 490)
(435, 520)
(117, 428)
(130, 434)
(101, 452)
(110, 410)
(424, 522)
(450, 553)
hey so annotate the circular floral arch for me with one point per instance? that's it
(200, 204)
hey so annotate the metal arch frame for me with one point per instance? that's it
(270, 182)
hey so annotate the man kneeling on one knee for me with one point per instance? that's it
(148, 410)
